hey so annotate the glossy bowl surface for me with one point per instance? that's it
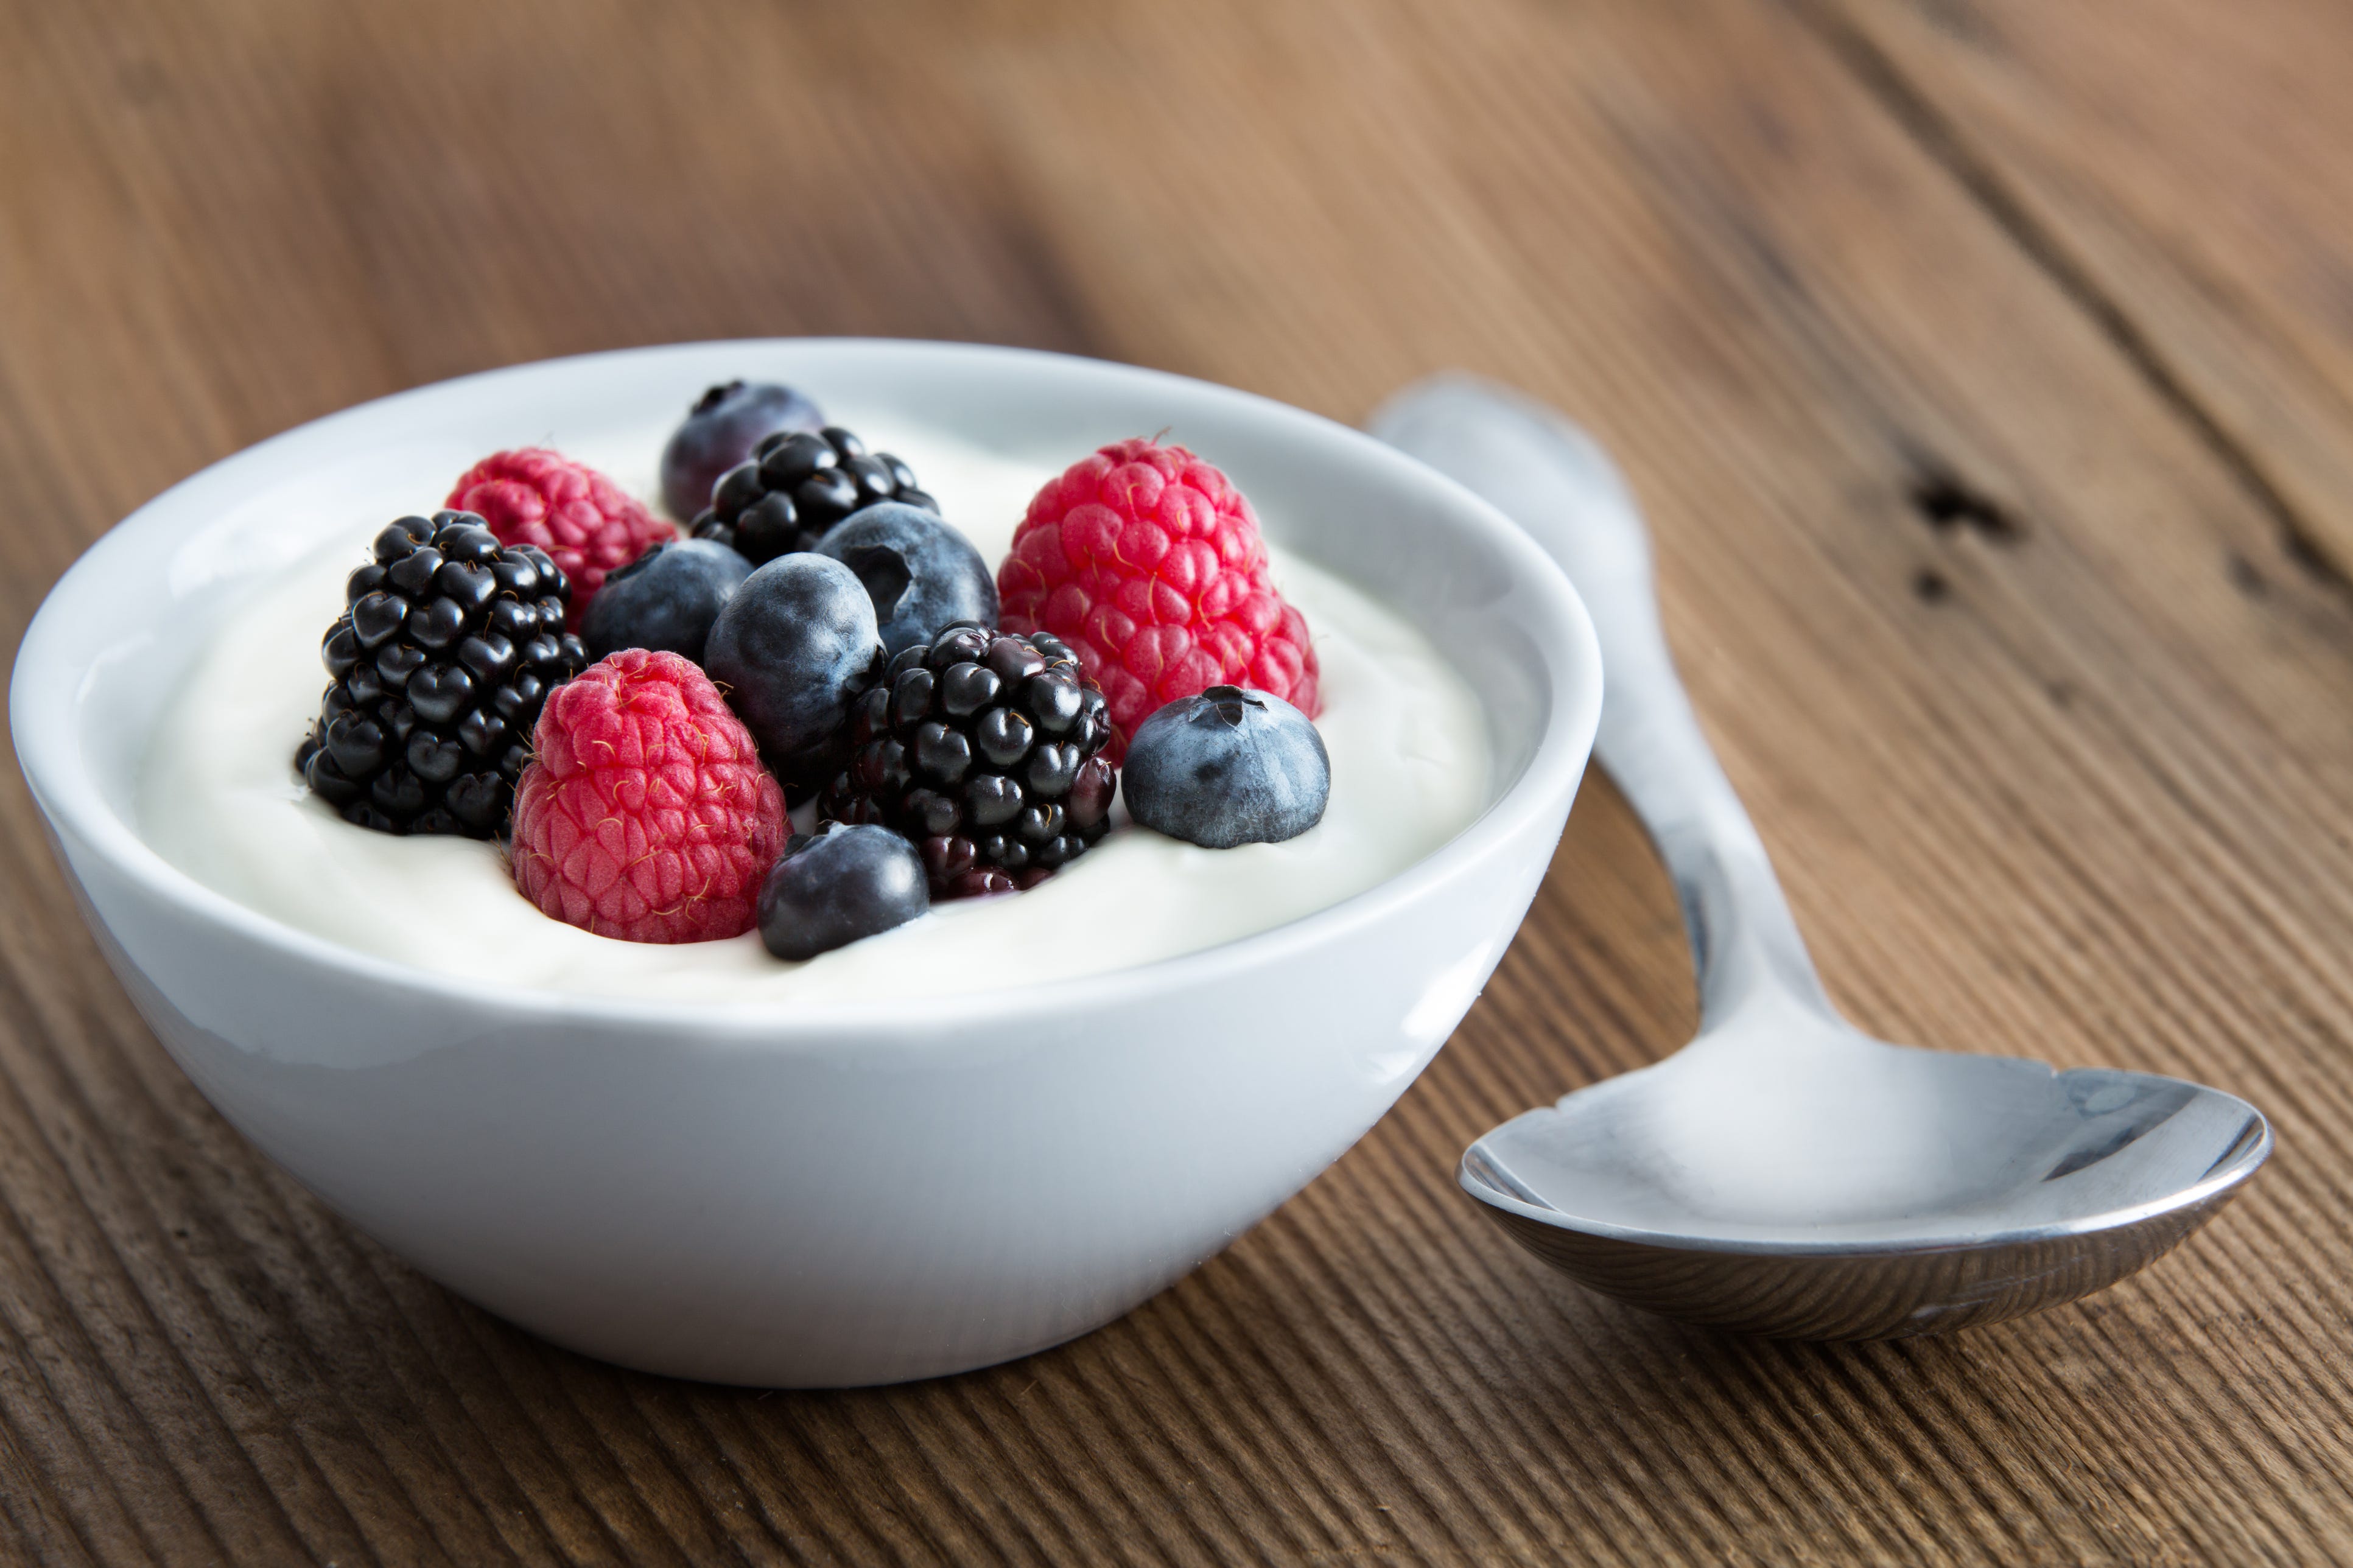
(813, 1194)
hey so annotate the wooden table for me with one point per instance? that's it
(1987, 368)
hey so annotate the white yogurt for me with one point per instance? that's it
(220, 800)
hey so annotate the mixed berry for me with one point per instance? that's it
(795, 486)
(1227, 767)
(1147, 561)
(831, 887)
(587, 524)
(447, 645)
(796, 646)
(667, 598)
(646, 814)
(720, 432)
(823, 634)
(921, 574)
(983, 748)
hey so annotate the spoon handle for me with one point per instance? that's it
(1557, 484)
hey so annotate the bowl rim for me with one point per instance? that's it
(43, 728)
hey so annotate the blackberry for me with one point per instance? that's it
(981, 747)
(795, 487)
(447, 646)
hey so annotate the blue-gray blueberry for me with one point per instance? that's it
(832, 889)
(720, 432)
(1227, 767)
(793, 649)
(666, 599)
(922, 574)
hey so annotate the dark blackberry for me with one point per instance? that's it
(981, 747)
(795, 487)
(447, 646)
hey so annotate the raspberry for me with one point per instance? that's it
(1147, 561)
(534, 496)
(646, 814)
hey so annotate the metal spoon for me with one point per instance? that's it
(1785, 1174)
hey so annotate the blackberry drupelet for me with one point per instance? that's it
(795, 487)
(445, 651)
(981, 747)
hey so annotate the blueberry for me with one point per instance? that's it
(720, 431)
(793, 649)
(833, 888)
(1227, 767)
(922, 576)
(666, 599)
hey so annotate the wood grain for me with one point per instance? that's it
(2174, 163)
(1988, 543)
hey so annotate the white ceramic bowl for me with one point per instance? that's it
(812, 1194)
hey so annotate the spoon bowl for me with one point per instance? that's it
(1785, 1174)
(1801, 1179)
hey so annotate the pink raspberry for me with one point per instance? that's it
(585, 520)
(645, 813)
(1148, 563)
